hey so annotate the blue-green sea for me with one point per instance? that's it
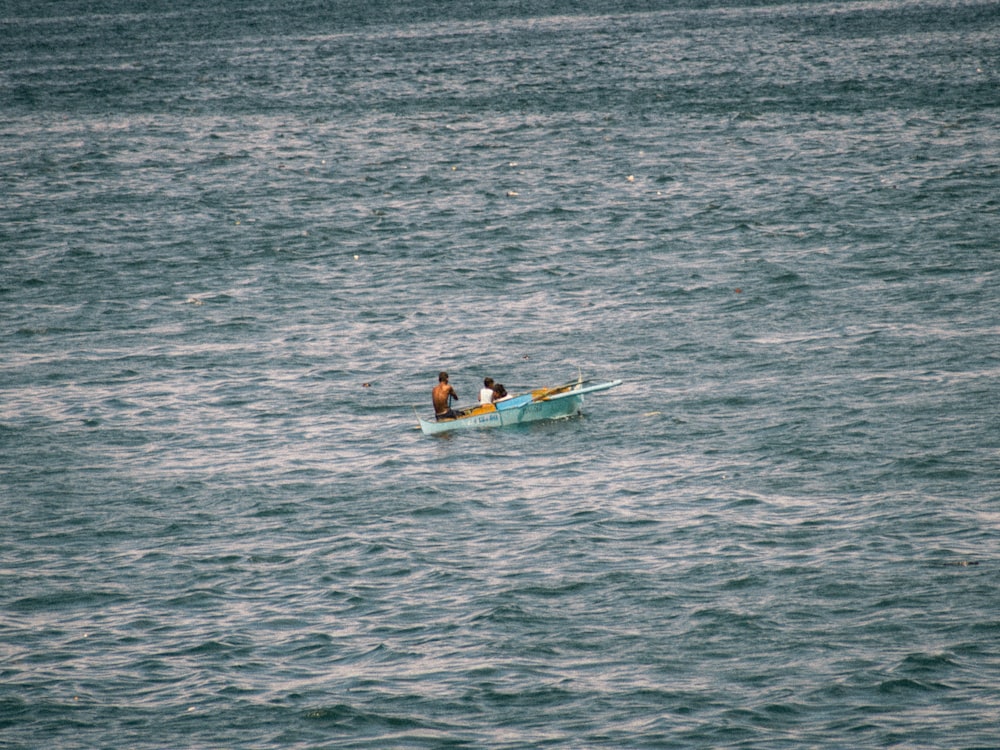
(238, 242)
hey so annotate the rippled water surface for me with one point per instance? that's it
(237, 244)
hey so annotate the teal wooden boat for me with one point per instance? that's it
(543, 403)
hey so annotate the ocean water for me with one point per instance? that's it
(238, 241)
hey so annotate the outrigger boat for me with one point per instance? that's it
(542, 403)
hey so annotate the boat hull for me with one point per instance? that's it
(532, 411)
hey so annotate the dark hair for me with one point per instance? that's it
(442, 377)
(488, 382)
(499, 390)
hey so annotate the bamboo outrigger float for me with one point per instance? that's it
(542, 403)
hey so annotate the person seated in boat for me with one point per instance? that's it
(442, 396)
(500, 393)
(486, 392)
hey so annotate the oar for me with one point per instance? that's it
(581, 391)
(543, 393)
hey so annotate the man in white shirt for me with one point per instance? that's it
(486, 392)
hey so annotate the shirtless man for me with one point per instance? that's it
(443, 394)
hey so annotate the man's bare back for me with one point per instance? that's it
(442, 395)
